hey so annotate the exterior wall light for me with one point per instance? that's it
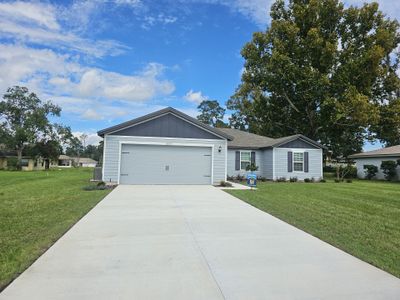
(219, 149)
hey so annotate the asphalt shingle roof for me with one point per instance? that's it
(389, 151)
(246, 140)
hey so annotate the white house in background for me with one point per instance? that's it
(375, 158)
(170, 147)
(68, 161)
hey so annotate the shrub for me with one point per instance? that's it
(252, 167)
(307, 180)
(12, 164)
(350, 172)
(240, 177)
(293, 179)
(349, 180)
(370, 171)
(281, 179)
(225, 183)
(388, 168)
(322, 180)
(101, 183)
(230, 178)
(337, 180)
(261, 178)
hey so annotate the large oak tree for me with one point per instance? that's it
(322, 70)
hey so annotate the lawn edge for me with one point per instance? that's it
(2, 288)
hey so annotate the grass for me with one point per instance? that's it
(36, 208)
(361, 218)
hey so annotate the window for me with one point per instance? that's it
(245, 159)
(24, 162)
(298, 161)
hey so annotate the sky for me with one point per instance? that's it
(109, 61)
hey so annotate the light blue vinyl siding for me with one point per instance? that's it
(281, 164)
(112, 153)
(231, 163)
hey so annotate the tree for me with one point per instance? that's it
(211, 113)
(24, 119)
(321, 70)
(388, 168)
(370, 171)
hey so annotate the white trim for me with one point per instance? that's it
(166, 138)
(165, 144)
(226, 160)
(273, 163)
(104, 157)
(240, 159)
(156, 117)
(298, 151)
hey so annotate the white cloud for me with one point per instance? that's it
(38, 24)
(195, 97)
(92, 137)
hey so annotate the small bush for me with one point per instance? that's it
(101, 183)
(252, 168)
(293, 179)
(370, 171)
(307, 180)
(350, 171)
(349, 180)
(322, 180)
(225, 184)
(337, 180)
(12, 164)
(281, 179)
(240, 177)
(230, 178)
(261, 178)
(388, 168)
(96, 187)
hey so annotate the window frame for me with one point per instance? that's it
(294, 161)
(249, 161)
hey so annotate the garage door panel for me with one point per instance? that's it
(155, 164)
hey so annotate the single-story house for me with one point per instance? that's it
(170, 147)
(375, 158)
(27, 163)
(69, 161)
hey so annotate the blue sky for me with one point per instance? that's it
(105, 62)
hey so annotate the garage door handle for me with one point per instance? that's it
(207, 175)
(124, 174)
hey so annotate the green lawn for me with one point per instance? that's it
(36, 208)
(361, 218)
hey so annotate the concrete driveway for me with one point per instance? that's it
(193, 242)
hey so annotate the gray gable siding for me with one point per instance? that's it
(167, 125)
(298, 143)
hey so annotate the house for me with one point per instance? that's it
(8, 160)
(291, 156)
(375, 158)
(69, 161)
(170, 147)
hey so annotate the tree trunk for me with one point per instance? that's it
(47, 164)
(19, 158)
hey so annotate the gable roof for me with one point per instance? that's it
(388, 151)
(246, 140)
(168, 110)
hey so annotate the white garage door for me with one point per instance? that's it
(154, 164)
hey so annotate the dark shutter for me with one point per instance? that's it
(253, 158)
(237, 160)
(306, 162)
(290, 161)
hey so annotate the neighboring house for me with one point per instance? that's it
(170, 147)
(375, 158)
(291, 156)
(68, 161)
(27, 163)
